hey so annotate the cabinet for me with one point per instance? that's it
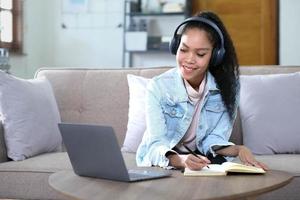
(149, 32)
(253, 26)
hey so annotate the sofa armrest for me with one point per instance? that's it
(3, 154)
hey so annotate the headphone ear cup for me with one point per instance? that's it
(174, 44)
(213, 58)
(217, 56)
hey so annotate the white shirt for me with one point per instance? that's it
(196, 97)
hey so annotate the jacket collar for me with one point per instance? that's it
(211, 82)
(181, 90)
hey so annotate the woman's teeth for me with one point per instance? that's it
(188, 68)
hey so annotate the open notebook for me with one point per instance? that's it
(223, 169)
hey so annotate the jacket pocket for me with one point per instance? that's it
(173, 115)
(214, 112)
(173, 112)
(215, 108)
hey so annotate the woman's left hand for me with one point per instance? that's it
(247, 158)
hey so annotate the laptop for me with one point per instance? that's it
(94, 152)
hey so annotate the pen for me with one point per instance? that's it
(192, 152)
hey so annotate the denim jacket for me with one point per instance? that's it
(169, 113)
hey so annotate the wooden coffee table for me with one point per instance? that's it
(175, 187)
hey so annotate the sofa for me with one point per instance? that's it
(101, 96)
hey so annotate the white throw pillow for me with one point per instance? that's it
(269, 110)
(136, 116)
(29, 114)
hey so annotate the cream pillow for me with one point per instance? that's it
(269, 110)
(136, 116)
(29, 114)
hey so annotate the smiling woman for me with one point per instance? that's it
(11, 27)
(193, 56)
(204, 91)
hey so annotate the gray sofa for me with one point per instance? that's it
(28, 179)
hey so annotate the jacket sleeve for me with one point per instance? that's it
(220, 134)
(155, 144)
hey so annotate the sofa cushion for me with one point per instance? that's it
(282, 162)
(96, 96)
(40, 163)
(269, 109)
(29, 114)
(28, 179)
(136, 115)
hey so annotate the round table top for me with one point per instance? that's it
(175, 187)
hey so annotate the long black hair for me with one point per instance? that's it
(226, 74)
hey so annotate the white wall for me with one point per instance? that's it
(289, 20)
(37, 30)
(92, 39)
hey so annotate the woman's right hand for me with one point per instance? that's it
(188, 161)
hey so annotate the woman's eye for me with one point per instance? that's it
(200, 54)
(183, 50)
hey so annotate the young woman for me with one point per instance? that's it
(193, 107)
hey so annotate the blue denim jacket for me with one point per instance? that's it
(169, 113)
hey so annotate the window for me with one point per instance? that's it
(10, 25)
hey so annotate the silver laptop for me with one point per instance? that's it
(94, 152)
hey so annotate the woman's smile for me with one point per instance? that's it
(193, 55)
(188, 68)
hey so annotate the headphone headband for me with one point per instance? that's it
(218, 53)
(203, 20)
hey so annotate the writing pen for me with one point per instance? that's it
(192, 152)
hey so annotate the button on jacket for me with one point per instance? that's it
(169, 113)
